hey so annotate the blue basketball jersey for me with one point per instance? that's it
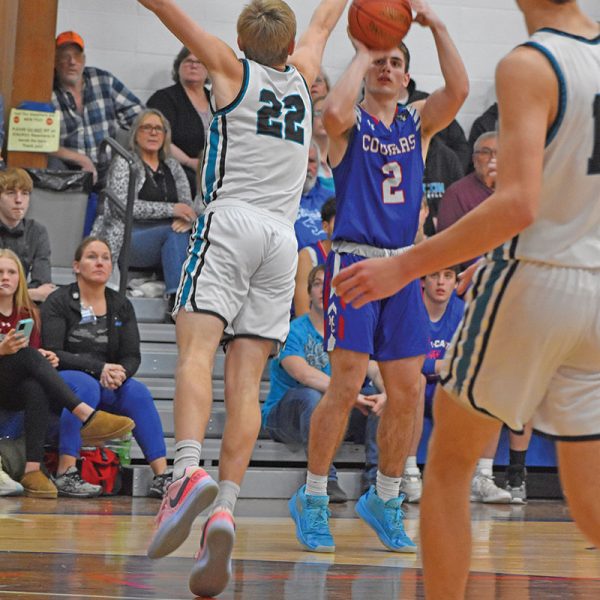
(379, 182)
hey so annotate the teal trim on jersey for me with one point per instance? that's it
(562, 89)
(481, 309)
(195, 253)
(210, 171)
(594, 41)
(241, 93)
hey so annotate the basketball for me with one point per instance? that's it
(379, 24)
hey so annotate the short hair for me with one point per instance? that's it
(406, 53)
(165, 150)
(486, 135)
(328, 209)
(181, 56)
(313, 275)
(85, 242)
(266, 28)
(15, 178)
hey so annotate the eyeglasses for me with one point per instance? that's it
(152, 128)
(190, 62)
(487, 152)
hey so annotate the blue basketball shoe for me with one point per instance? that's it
(385, 518)
(311, 516)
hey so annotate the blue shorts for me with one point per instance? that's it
(389, 329)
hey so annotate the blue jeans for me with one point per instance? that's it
(157, 245)
(289, 422)
(132, 399)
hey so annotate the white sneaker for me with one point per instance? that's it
(483, 489)
(411, 486)
(8, 486)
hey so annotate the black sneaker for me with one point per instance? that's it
(159, 485)
(336, 494)
(71, 485)
(516, 483)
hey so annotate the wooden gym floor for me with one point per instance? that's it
(95, 549)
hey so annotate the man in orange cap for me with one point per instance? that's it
(93, 104)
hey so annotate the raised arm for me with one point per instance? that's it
(339, 113)
(308, 54)
(439, 109)
(224, 68)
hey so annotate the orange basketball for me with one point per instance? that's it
(379, 24)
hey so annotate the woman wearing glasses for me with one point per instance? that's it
(187, 109)
(162, 213)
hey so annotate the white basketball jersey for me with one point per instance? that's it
(566, 231)
(257, 149)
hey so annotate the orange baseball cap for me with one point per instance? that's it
(69, 37)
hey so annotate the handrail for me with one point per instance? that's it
(108, 194)
(123, 258)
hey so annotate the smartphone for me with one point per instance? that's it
(25, 327)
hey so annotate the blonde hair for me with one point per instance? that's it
(15, 178)
(266, 28)
(165, 150)
(21, 300)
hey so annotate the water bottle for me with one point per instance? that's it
(123, 450)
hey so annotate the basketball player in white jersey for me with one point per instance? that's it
(529, 344)
(238, 281)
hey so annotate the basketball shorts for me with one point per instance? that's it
(241, 266)
(529, 348)
(389, 329)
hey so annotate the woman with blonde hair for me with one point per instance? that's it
(29, 380)
(162, 211)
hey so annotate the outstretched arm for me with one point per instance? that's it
(309, 50)
(439, 109)
(528, 96)
(224, 68)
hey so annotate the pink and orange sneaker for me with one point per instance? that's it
(184, 500)
(212, 570)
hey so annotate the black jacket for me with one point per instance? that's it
(61, 313)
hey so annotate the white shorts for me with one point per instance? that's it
(528, 348)
(241, 267)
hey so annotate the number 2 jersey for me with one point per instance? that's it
(379, 181)
(257, 146)
(566, 231)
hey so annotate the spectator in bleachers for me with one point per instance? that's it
(445, 310)
(488, 121)
(470, 191)
(93, 105)
(312, 255)
(314, 194)
(27, 238)
(162, 214)
(320, 137)
(186, 106)
(29, 381)
(93, 331)
(320, 87)
(300, 376)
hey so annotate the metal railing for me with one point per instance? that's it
(126, 211)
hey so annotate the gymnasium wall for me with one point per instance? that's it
(126, 39)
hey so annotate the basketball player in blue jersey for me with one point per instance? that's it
(377, 153)
(529, 344)
(238, 281)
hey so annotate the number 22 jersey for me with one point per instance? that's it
(379, 181)
(257, 146)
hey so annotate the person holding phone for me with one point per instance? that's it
(94, 332)
(29, 380)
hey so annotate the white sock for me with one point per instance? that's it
(316, 485)
(410, 466)
(387, 487)
(227, 496)
(485, 466)
(187, 454)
